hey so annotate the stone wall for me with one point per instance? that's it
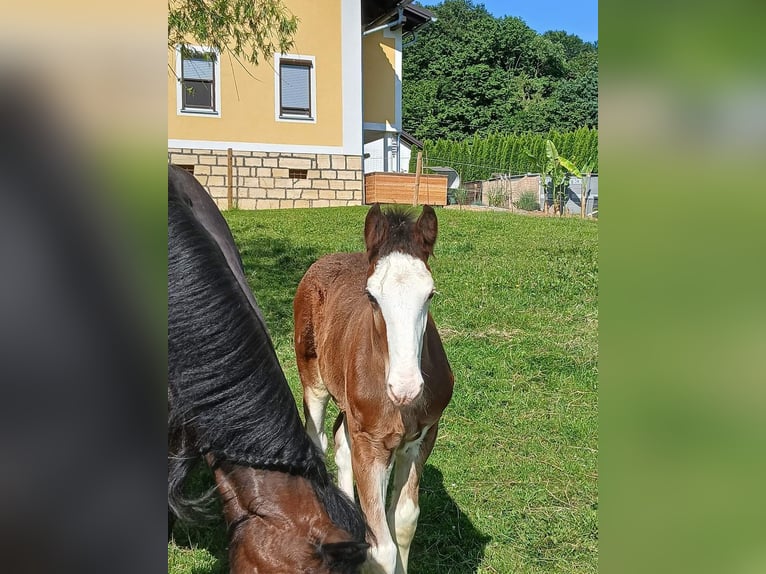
(261, 180)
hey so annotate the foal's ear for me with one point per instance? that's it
(342, 555)
(375, 230)
(428, 227)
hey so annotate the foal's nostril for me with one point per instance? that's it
(400, 399)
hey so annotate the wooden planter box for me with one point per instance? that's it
(385, 187)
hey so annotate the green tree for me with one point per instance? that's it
(573, 45)
(245, 29)
(470, 73)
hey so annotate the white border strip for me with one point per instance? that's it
(379, 127)
(252, 146)
(351, 75)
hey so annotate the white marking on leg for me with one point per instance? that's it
(343, 461)
(382, 557)
(315, 399)
(406, 522)
(404, 509)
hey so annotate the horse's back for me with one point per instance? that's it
(336, 270)
(325, 311)
(204, 208)
(186, 187)
(333, 276)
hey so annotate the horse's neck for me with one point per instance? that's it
(233, 484)
(245, 490)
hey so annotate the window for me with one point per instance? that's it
(297, 173)
(186, 167)
(199, 81)
(296, 87)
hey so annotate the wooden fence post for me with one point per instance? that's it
(230, 194)
(418, 169)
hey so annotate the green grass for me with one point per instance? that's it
(511, 485)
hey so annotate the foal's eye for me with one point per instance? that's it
(431, 296)
(371, 297)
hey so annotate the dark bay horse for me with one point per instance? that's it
(364, 336)
(230, 405)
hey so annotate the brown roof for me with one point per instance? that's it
(410, 139)
(372, 10)
(377, 12)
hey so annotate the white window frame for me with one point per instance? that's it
(312, 119)
(216, 79)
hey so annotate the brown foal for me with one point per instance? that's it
(364, 336)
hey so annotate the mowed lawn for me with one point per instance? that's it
(511, 485)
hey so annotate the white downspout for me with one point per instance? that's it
(398, 22)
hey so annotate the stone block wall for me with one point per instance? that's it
(261, 180)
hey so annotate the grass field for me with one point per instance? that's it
(511, 485)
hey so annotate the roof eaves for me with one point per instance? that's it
(410, 139)
(417, 18)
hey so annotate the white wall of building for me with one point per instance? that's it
(383, 155)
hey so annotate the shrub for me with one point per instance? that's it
(497, 198)
(527, 201)
(461, 196)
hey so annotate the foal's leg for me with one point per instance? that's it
(404, 509)
(315, 393)
(315, 399)
(372, 463)
(343, 457)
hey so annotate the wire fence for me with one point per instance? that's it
(527, 192)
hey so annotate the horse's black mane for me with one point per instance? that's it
(227, 393)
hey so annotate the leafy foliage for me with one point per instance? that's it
(528, 201)
(470, 73)
(243, 28)
(480, 157)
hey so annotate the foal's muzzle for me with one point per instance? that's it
(403, 391)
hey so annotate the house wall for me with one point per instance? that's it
(260, 180)
(264, 147)
(380, 77)
(248, 92)
(406, 153)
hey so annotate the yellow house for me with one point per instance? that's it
(291, 132)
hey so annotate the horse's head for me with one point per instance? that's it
(277, 524)
(400, 287)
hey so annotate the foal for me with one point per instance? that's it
(364, 336)
(229, 404)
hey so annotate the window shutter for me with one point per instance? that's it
(198, 69)
(295, 82)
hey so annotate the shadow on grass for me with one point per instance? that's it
(446, 542)
(210, 534)
(274, 267)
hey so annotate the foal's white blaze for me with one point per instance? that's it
(402, 287)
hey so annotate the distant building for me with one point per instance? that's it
(390, 152)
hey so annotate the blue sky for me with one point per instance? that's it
(578, 17)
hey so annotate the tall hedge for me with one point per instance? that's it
(481, 157)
